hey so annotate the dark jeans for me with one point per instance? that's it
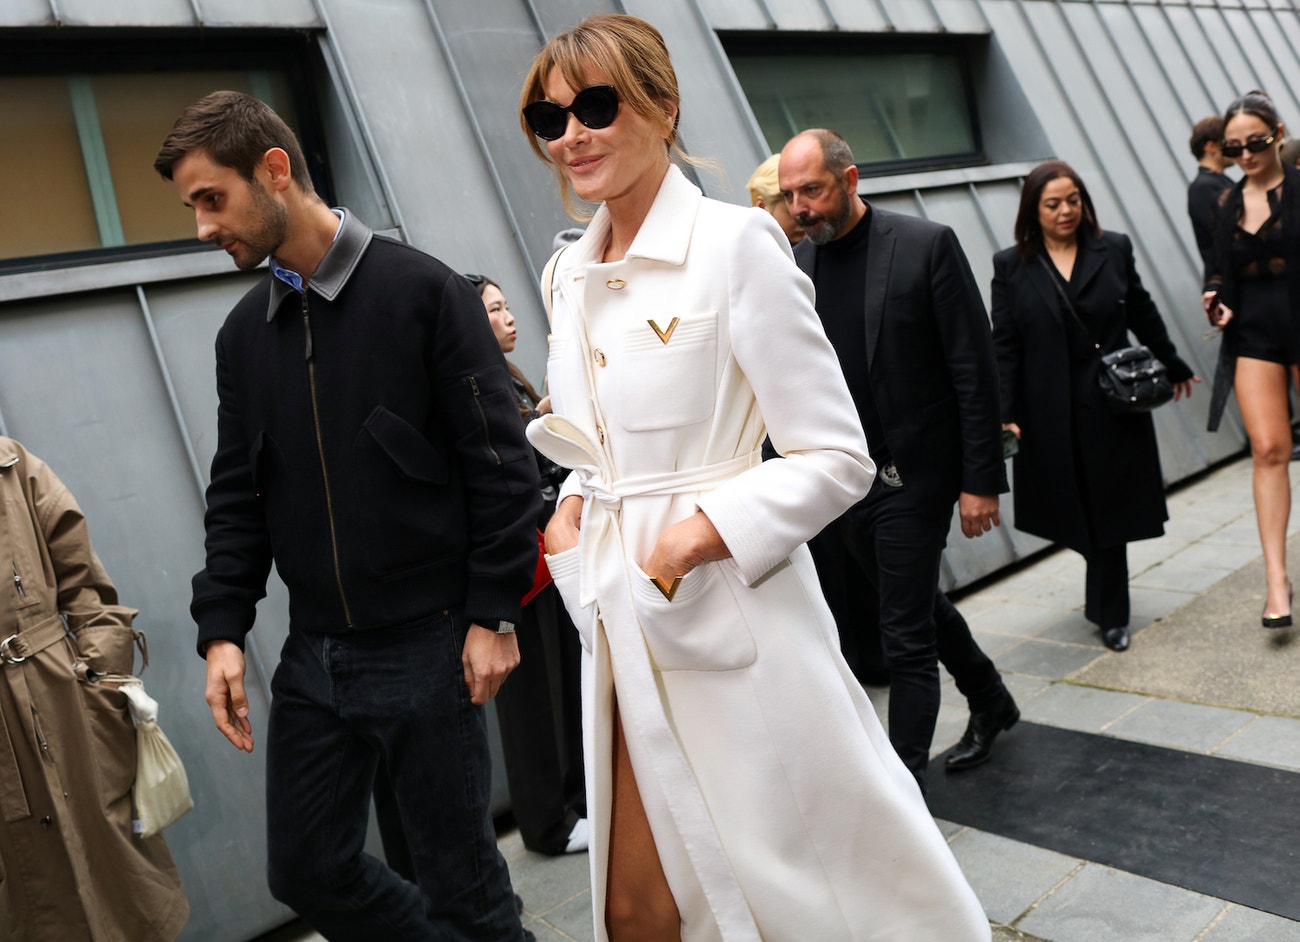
(341, 705)
(898, 546)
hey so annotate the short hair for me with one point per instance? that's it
(1029, 231)
(235, 130)
(1207, 130)
(1255, 103)
(1290, 151)
(837, 156)
(623, 51)
(764, 184)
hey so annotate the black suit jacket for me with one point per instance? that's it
(930, 357)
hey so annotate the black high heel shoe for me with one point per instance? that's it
(1279, 619)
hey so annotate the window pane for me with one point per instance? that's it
(42, 177)
(910, 106)
(76, 167)
(135, 114)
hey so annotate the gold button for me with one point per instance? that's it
(599, 354)
(616, 284)
(600, 432)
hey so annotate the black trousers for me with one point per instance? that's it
(1106, 586)
(539, 711)
(897, 545)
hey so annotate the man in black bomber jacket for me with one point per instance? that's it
(368, 444)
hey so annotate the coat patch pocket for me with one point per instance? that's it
(668, 374)
(564, 571)
(702, 629)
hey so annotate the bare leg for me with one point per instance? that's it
(1262, 396)
(639, 906)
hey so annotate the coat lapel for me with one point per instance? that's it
(880, 257)
(1092, 256)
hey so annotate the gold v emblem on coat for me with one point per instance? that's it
(664, 335)
(668, 591)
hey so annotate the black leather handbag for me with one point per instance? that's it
(1131, 378)
(1134, 380)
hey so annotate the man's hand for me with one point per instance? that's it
(488, 658)
(225, 693)
(562, 531)
(683, 546)
(979, 513)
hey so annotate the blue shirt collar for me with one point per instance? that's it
(292, 278)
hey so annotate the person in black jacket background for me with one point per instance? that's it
(368, 443)
(1084, 476)
(540, 710)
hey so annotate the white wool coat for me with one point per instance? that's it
(778, 806)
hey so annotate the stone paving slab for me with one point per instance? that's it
(1186, 726)
(1008, 876)
(1085, 709)
(1099, 904)
(1240, 924)
(1270, 740)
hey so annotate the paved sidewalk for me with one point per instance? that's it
(1031, 623)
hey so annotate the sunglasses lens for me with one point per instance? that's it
(596, 107)
(1231, 150)
(1258, 145)
(547, 119)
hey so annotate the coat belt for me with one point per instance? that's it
(13, 651)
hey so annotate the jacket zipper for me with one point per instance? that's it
(18, 583)
(482, 417)
(320, 450)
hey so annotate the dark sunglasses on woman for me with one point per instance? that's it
(596, 106)
(1256, 145)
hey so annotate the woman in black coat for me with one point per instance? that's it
(1084, 476)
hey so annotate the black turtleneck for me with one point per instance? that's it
(841, 282)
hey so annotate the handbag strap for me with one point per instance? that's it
(1056, 283)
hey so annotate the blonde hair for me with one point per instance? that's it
(764, 184)
(616, 49)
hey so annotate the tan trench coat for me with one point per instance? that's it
(70, 867)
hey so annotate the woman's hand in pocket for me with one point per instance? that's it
(683, 546)
(563, 530)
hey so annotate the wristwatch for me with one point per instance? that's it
(501, 626)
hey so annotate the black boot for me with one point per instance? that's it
(977, 742)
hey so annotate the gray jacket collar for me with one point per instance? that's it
(335, 268)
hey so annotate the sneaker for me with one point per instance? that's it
(579, 837)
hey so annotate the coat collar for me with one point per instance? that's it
(664, 236)
(8, 453)
(340, 260)
(1090, 259)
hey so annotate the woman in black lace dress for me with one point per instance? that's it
(1252, 287)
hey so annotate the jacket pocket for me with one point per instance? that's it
(403, 485)
(107, 648)
(564, 572)
(701, 629)
(113, 748)
(668, 377)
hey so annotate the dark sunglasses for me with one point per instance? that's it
(1256, 145)
(596, 106)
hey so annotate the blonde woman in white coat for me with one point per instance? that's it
(739, 784)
